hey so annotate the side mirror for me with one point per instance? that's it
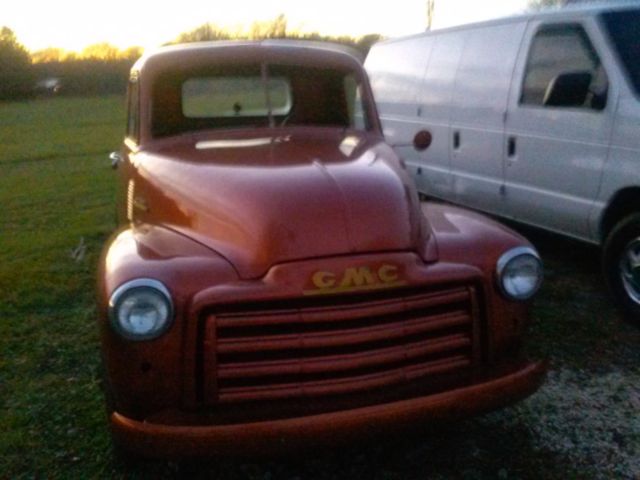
(422, 140)
(116, 159)
(568, 90)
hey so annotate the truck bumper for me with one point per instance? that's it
(159, 440)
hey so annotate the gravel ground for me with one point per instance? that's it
(584, 422)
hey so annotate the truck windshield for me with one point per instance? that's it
(622, 27)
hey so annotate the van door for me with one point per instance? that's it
(558, 127)
(479, 104)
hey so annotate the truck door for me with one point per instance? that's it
(558, 127)
(479, 104)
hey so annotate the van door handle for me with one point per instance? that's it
(456, 140)
(511, 147)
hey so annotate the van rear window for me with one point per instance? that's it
(623, 27)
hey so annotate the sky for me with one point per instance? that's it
(75, 24)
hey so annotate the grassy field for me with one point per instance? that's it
(57, 196)
(56, 193)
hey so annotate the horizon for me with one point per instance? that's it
(158, 24)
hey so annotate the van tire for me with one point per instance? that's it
(623, 278)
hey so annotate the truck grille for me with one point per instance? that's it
(277, 351)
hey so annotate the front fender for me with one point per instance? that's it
(146, 375)
(466, 237)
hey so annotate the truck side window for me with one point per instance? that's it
(564, 71)
(133, 110)
(357, 117)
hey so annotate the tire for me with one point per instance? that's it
(621, 264)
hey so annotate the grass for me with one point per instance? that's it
(56, 192)
(57, 197)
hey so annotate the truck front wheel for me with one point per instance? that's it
(621, 262)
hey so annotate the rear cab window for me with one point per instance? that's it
(257, 96)
(235, 96)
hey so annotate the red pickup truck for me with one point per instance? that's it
(276, 282)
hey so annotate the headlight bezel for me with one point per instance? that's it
(506, 260)
(131, 287)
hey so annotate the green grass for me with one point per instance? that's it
(57, 190)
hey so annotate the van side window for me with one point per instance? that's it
(564, 71)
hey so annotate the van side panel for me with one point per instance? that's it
(434, 100)
(623, 166)
(395, 71)
(477, 118)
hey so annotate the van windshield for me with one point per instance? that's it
(622, 27)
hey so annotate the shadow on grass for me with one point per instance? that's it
(475, 449)
(575, 319)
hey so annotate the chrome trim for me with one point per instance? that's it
(116, 159)
(139, 283)
(504, 260)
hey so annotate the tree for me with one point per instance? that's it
(48, 55)
(430, 9)
(276, 28)
(16, 79)
(101, 51)
(203, 33)
(365, 42)
(12, 53)
(132, 53)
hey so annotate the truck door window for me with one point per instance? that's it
(564, 70)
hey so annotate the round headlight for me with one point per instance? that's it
(141, 309)
(519, 273)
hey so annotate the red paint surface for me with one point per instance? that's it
(410, 326)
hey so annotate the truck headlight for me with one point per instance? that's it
(519, 273)
(141, 309)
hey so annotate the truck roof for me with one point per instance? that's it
(297, 50)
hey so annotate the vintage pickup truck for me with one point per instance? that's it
(276, 282)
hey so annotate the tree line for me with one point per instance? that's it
(104, 69)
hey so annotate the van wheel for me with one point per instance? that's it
(621, 263)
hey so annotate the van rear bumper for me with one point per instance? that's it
(159, 440)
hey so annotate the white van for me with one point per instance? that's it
(534, 118)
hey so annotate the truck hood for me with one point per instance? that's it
(291, 194)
